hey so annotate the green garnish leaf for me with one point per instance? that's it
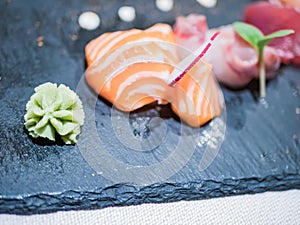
(258, 40)
(266, 39)
(249, 33)
(54, 109)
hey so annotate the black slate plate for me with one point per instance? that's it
(260, 153)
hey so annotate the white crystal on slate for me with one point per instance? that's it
(89, 20)
(126, 13)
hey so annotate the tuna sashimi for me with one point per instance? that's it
(271, 17)
(132, 68)
(287, 3)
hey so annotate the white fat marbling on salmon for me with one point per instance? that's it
(96, 47)
(148, 89)
(115, 41)
(202, 90)
(182, 107)
(139, 76)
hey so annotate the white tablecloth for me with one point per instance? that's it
(265, 208)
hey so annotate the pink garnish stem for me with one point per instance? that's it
(203, 49)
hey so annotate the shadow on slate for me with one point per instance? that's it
(261, 149)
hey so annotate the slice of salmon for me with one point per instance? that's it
(131, 69)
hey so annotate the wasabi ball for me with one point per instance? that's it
(54, 109)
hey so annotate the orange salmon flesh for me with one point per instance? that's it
(131, 69)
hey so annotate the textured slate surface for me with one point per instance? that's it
(261, 150)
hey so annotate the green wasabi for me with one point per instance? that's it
(54, 109)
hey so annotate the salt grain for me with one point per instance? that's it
(207, 3)
(164, 5)
(126, 13)
(89, 20)
(74, 37)
(39, 40)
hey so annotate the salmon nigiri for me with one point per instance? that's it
(132, 68)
